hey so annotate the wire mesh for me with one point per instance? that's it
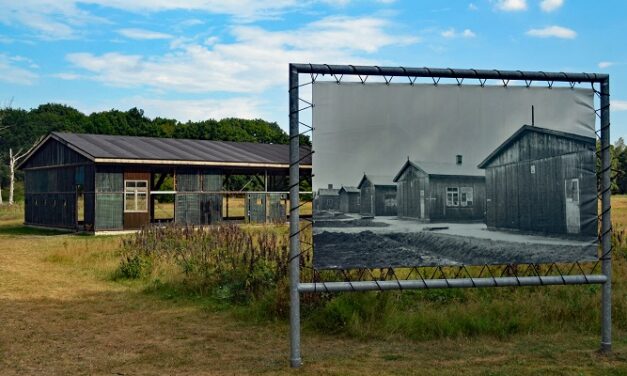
(555, 272)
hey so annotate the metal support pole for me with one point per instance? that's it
(265, 195)
(295, 360)
(606, 224)
(451, 283)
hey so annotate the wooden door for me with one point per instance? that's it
(136, 200)
(571, 191)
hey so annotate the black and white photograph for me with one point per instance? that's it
(430, 175)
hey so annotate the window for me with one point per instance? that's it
(465, 197)
(135, 196)
(572, 190)
(452, 196)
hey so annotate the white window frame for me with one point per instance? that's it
(450, 194)
(136, 191)
(464, 192)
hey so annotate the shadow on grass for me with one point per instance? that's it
(18, 229)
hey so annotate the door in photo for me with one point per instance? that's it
(572, 206)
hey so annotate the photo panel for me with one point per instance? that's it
(443, 175)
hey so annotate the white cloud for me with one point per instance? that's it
(550, 5)
(553, 32)
(618, 105)
(472, 7)
(210, 41)
(60, 19)
(191, 22)
(255, 61)
(13, 74)
(142, 34)
(67, 76)
(451, 33)
(605, 64)
(50, 19)
(511, 5)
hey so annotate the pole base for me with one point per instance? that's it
(296, 363)
(606, 348)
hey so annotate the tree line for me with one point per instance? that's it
(618, 151)
(20, 128)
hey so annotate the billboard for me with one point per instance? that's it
(425, 175)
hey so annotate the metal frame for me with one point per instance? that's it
(388, 73)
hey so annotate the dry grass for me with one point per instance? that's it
(236, 208)
(62, 314)
(619, 211)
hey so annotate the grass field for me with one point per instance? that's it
(61, 312)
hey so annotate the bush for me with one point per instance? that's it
(224, 262)
(133, 267)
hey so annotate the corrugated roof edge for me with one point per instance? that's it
(59, 136)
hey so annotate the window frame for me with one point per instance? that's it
(463, 192)
(452, 191)
(136, 192)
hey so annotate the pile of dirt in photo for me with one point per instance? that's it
(425, 248)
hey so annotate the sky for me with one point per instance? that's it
(199, 59)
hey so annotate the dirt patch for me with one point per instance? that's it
(336, 250)
(426, 248)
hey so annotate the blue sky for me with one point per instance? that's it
(198, 59)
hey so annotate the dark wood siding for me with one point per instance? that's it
(349, 202)
(54, 153)
(526, 185)
(366, 207)
(385, 200)
(51, 176)
(409, 186)
(439, 211)
(328, 202)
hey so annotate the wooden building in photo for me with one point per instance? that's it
(542, 180)
(95, 183)
(349, 199)
(377, 196)
(432, 191)
(328, 199)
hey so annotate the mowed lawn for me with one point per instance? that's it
(61, 313)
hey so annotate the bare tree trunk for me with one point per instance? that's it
(1, 203)
(12, 161)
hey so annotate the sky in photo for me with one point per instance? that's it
(198, 59)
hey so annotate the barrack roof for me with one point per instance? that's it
(101, 148)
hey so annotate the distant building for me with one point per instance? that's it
(378, 196)
(88, 182)
(541, 180)
(350, 198)
(328, 198)
(433, 191)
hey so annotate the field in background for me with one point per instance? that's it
(235, 205)
(62, 312)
